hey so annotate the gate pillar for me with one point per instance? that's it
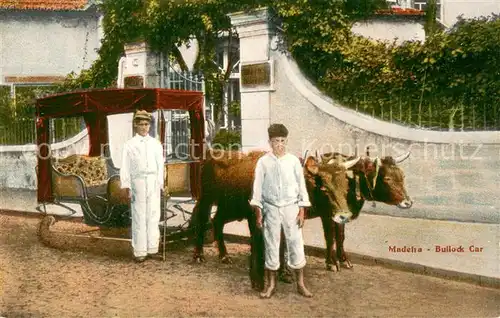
(139, 67)
(256, 76)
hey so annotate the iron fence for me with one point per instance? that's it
(23, 131)
(188, 81)
(17, 116)
(415, 113)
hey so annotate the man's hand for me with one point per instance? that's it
(301, 217)
(258, 217)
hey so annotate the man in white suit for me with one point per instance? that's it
(141, 173)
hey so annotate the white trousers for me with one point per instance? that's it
(145, 215)
(274, 219)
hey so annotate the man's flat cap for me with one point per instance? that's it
(142, 115)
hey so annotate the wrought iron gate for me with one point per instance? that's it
(177, 131)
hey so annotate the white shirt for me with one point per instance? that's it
(142, 156)
(279, 181)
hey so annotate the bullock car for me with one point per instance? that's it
(89, 179)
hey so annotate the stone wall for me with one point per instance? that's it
(18, 163)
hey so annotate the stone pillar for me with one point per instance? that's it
(139, 68)
(256, 81)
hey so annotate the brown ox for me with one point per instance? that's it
(371, 180)
(226, 181)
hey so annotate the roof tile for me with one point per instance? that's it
(399, 11)
(50, 5)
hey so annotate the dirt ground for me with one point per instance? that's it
(99, 279)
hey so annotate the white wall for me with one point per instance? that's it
(388, 29)
(47, 43)
(17, 163)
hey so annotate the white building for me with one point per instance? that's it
(449, 10)
(406, 21)
(392, 26)
(42, 41)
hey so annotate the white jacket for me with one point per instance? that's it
(279, 181)
(142, 156)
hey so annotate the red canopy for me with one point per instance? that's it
(95, 105)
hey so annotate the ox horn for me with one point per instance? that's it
(378, 163)
(402, 158)
(350, 163)
(304, 158)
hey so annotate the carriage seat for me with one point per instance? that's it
(80, 176)
(69, 173)
(92, 173)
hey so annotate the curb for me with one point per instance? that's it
(484, 281)
(37, 215)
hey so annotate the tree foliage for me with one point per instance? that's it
(449, 81)
(452, 73)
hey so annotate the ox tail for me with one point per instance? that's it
(257, 254)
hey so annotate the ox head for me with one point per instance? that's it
(388, 182)
(379, 179)
(328, 186)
